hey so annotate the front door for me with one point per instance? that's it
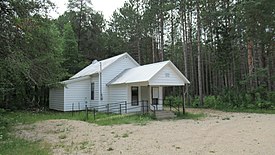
(155, 95)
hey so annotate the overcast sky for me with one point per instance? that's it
(107, 7)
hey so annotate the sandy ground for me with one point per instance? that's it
(220, 133)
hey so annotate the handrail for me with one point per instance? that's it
(104, 106)
(119, 107)
(154, 107)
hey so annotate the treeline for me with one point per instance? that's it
(224, 47)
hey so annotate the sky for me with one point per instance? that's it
(107, 7)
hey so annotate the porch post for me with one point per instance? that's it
(161, 97)
(150, 95)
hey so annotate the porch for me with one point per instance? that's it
(140, 94)
(146, 83)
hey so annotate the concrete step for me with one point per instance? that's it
(165, 115)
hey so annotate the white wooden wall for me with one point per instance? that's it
(56, 99)
(77, 92)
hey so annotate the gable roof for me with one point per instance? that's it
(144, 73)
(94, 68)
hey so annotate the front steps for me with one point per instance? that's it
(164, 115)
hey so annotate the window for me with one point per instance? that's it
(134, 91)
(92, 91)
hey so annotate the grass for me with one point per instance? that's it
(125, 135)
(63, 136)
(10, 144)
(122, 119)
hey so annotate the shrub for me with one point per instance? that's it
(247, 100)
(271, 97)
(175, 100)
(195, 102)
(212, 102)
(264, 104)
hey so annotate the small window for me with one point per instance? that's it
(167, 75)
(92, 91)
(134, 91)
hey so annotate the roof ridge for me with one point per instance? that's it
(157, 62)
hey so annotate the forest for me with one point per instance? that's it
(226, 48)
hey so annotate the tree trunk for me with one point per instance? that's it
(80, 27)
(138, 51)
(250, 60)
(199, 53)
(184, 46)
(153, 50)
(161, 33)
(190, 48)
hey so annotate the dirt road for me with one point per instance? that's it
(219, 133)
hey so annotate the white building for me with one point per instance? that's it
(118, 79)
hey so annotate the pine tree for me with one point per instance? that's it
(70, 51)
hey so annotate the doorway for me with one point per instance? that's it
(155, 95)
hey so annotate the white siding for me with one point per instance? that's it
(117, 93)
(56, 99)
(166, 77)
(110, 73)
(78, 93)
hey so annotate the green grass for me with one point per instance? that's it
(122, 119)
(26, 117)
(12, 145)
(125, 135)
